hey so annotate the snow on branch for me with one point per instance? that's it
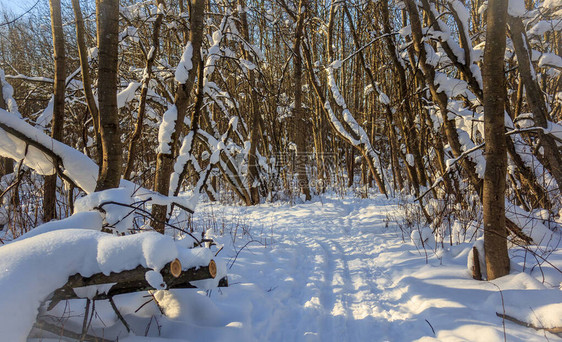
(7, 92)
(185, 65)
(30, 78)
(21, 141)
(353, 133)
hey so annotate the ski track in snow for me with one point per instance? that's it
(328, 284)
(336, 272)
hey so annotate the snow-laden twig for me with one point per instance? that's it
(450, 163)
(147, 214)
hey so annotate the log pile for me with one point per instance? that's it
(134, 281)
(116, 283)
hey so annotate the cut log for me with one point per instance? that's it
(175, 268)
(133, 281)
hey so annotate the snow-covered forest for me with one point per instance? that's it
(281, 170)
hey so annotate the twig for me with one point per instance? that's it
(18, 179)
(431, 326)
(555, 330)
(536, 255)
(143, 304)
(85, 322)
(149, 215)
(539, 320)
(503, 308)
(118, 313)
(20, 16)
(156, 302)
(455, 160)
(60, 331)
(240, 250)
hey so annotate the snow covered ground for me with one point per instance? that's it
(338, 270)
(334, 270)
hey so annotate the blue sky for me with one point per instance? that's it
(18, 6)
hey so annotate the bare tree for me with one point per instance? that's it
(165, 159)
(493, 199)
(253, 168)
(299, 121)
(50, 195)
(150, 57)
(107, 14)
(85, 72)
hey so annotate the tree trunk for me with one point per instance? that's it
(299, 133)
(107, 12)
(85, 72)
(50, 190)
(151, 56)
(493, 201)
(7, 164)
(134, 280)
(165, 161)
(253, 174)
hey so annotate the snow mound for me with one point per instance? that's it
(84, 220)
(34, 267)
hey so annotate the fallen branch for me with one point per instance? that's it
(60, 331)
(555, 330)
(119, 315)
(517, 232)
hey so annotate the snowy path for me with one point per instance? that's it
(332, 287)
(326, 273)
(336, 272)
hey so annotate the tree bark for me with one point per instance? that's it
(85, 72)
(151, 56)
(493, 199)
(299, 122)
(50, 189)
(107, 12)
(7, 164)
(253, 171)
(165, 161)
